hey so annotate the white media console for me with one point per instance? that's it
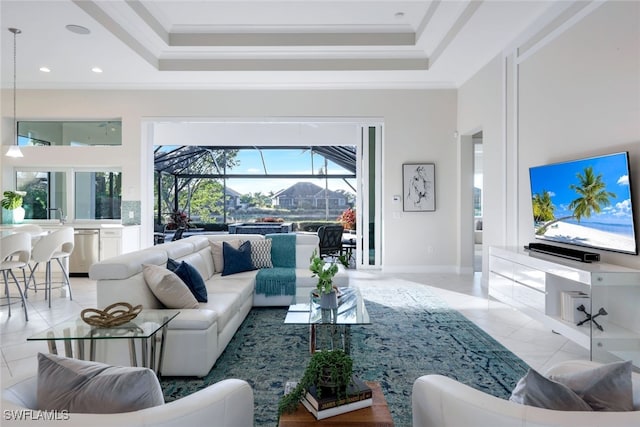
(533, 283)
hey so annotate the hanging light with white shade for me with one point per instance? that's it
(14, 150)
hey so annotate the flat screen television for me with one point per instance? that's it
(585, 202)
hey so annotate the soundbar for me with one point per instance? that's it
(574, 254)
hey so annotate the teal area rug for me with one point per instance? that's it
(413, 333)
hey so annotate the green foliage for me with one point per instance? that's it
(215, 163)
(324, 271)
(36, 201)
(12, 199)
(344, 260)
(543, 209)
(206, 200)
(256, 200)
(592, 192)
(333, 367)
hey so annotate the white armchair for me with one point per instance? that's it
(228, 403)
(438, 401)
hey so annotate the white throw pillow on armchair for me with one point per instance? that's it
(80, 386)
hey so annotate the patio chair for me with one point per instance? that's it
(159, 234)
(330, 240)
(178, 234)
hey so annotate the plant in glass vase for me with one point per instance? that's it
(324, 271)
(13, 202)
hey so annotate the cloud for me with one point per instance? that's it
(621, 209)
(624, 205)
(623, 180)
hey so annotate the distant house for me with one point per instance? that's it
(308, 195)
(233, 198)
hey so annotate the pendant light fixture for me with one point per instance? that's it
(14, 150)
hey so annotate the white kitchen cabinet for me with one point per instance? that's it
(115, 241)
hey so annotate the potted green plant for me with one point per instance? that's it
(324, 271)
(12, 202)
(329, 370)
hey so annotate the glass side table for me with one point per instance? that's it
(145, 327)
(338, 321)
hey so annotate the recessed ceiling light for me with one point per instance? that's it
(45, 69)
(78, 29)
(96, 69)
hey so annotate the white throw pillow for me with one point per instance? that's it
(168, 287)
(604, 388)
(217, 254)
(79, 386)
(536, 390)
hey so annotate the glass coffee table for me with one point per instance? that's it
(144, 327)
(336, 323)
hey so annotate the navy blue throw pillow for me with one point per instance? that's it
(236, 260)
(190, 277)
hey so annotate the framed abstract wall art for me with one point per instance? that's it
(419, 187)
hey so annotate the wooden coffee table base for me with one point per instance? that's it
(377, 415)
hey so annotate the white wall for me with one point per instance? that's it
(418, 126)
(575, 94)
(580, 96)
(480, 108)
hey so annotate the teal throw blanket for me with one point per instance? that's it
(276, 281)
(281, 279)
(283, 249)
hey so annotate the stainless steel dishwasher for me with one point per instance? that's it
(86, 251)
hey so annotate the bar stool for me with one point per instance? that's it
(33, 229)
(15, 252)
(56, 245)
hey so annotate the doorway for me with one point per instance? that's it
(288, 133)
(477, 201)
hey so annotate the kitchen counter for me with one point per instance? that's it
(115, 238)
(75, 225)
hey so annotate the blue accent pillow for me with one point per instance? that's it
(190, 277)
(236, 260)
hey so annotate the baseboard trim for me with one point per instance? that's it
(420, 269)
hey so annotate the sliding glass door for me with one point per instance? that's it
(368, 254)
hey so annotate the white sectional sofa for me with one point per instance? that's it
(197, 337)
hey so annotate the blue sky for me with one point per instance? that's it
(292, 161)
(556, 179)
(282, 161)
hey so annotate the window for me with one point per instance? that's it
(477, 175)
(46, 190)
(293, 183)
(92, 195)
(78, 133)
(98, 195)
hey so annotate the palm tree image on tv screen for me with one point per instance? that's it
(585, 202)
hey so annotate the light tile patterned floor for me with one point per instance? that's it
(536, 345)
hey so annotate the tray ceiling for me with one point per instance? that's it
(260, 43)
